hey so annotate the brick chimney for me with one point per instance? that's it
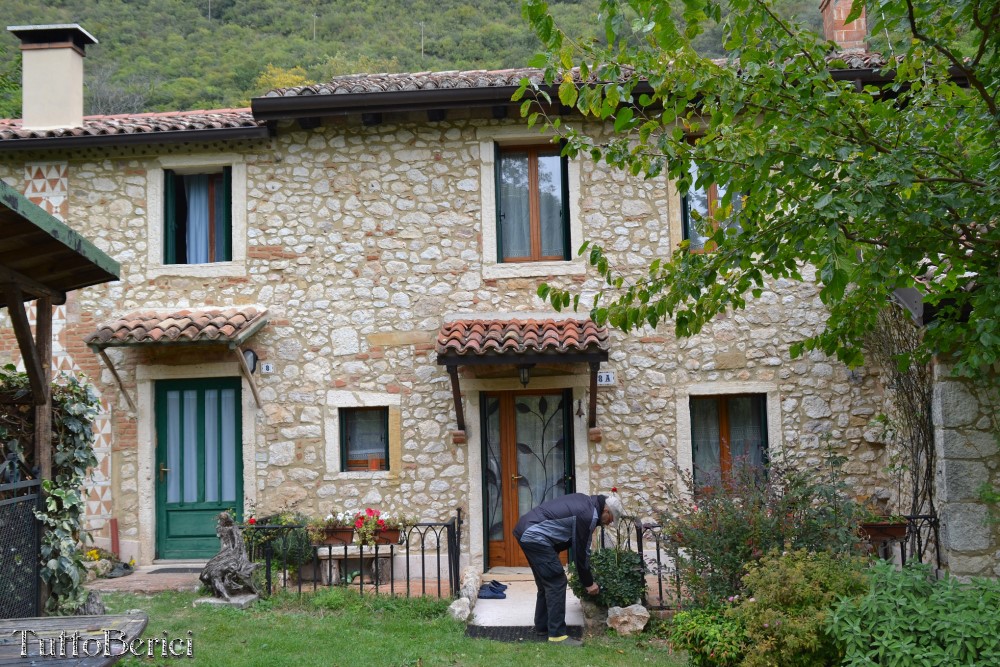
(851, 36)
(52, 74)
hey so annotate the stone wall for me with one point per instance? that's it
(967, 439)
(361, 241)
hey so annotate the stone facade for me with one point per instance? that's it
(361, 241)
(966, 426)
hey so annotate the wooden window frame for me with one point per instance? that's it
(344, 415)
(534, 206)
(172, 179)
(725, 453)
(712, 194)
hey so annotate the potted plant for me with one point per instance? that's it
(334, 529)
(373, 527)
(879, 525)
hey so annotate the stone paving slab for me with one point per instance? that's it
(518, 608)
(146, 580)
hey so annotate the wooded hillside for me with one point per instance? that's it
(157, 55)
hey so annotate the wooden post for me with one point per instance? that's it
(592, 407)
(43, 410)
(456, 395)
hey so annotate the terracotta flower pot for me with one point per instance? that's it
(387, 536)
(880, 531)
(338, 535)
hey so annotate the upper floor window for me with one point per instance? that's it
(197, 216)
(364, 437)
(532, 204)
(702, 214)
(727, 432)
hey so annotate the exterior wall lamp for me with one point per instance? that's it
(524, 374)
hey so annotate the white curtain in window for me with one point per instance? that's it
(366, 434)
(746, 436)
(190, 429)
(705, 441)
(173, 447)
(196, 192)
(227, 434)
(540, 450)
(515, 220)
(211, 446)
(697, 207)
(550, 204)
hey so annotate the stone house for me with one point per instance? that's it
(327, 302)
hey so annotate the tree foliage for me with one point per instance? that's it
(862, 187)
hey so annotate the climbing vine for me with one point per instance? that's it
(74, 408)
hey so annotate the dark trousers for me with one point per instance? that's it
(550, 579)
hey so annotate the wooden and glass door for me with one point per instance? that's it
(199, 463)
(527, 459)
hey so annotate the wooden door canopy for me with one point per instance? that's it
(232, 327)
(521, 343)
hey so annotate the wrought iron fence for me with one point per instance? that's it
(19, 549)
(660, 553)
(424, 562)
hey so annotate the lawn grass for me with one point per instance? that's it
(342, 628)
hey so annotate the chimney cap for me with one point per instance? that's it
(56, 32)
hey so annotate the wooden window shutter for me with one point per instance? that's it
(226, 242)
(169, 217)
(497, 187)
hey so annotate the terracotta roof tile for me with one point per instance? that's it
(496, 337)
(182, 326)
(355, 84)
(141, 123)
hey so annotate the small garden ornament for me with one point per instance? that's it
(230, 572)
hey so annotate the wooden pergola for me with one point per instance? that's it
(41, 260)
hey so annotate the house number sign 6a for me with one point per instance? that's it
(605, 378)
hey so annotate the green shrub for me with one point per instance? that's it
(909, 618)
(789, 599)
(728, 528)
(710, 638)
(620, 573)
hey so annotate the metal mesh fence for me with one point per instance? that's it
(19, 580)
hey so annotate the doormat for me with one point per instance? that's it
(176, 570)
(514, 633)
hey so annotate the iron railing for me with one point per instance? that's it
(660, 553)
(19, 549)
(424, 562)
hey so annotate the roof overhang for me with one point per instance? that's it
(231, 327)
(43, 255)
(136, 139)
(522, 344)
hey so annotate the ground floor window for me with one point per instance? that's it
(364, 434)
(727, 431)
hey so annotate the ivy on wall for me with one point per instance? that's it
(74, 408)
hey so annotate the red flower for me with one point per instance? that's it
(614, 489)
(251, 521)
(381, 524)
(360, 522)
(370, 512)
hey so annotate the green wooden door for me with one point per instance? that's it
(199, 463)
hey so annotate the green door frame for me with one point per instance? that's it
(187, 529)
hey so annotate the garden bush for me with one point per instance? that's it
(710, 637)
(788, 600)
(620, 573)
(726, 529)
(908, 617)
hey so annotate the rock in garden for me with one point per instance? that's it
(628, 620)
(460, 609)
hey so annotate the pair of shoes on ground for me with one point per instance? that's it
(493, 590)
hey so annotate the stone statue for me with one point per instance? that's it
(230, 572)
